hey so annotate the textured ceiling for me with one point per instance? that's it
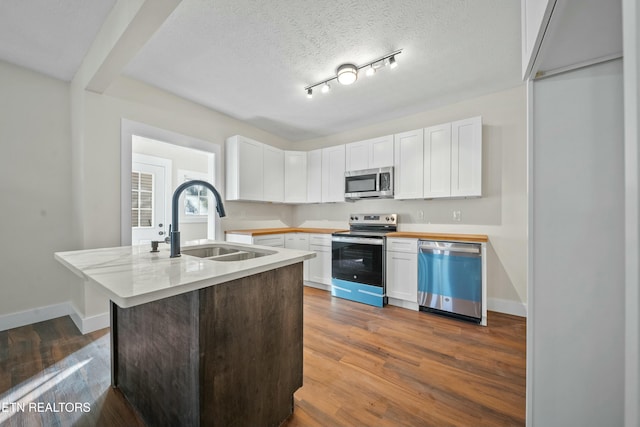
(251, 59)
(50, 36)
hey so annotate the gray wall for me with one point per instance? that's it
(576, 337)
(35, 187)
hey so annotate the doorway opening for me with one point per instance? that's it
(154, 162)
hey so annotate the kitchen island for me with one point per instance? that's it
(198, 341)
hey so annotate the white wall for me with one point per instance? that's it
(631, 43)
(502, 211)
(35, 187)
(99, 156)
(181, 159)
(577, 309)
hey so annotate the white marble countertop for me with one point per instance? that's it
(132, 275)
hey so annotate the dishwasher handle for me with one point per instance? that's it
(449, 247)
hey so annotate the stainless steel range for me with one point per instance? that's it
(358, 266)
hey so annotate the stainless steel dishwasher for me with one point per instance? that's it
(450, 278)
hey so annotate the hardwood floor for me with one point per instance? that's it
(387, 367)
(51, 362)
(363, 366)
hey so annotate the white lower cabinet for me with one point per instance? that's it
(402, 272)
(316, 271)
(320, 266)
(299, 241)
(274, 240)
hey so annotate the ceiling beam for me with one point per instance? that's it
(125, 31)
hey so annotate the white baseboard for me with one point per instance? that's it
(317, 285)
(404, 304)
(34, 315)
(506, 306)
(500, 305)
(41, 314)
(89, 324)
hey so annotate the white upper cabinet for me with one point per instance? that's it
(408, 164)
(333, 167)
(254, 171)
(357, 156)
(437, 161)
(369, 154)
(244, 169)
(295, 177)
(466, 158)
(314, 176)
(381, 152)
(273, 174)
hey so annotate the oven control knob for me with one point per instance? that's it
(356, 218)
(351, 218)
(388, 219)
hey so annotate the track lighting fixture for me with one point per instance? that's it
(392, 62)
(347, 74)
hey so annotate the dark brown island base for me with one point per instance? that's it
(225, 355)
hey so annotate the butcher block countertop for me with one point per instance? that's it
(265, 231)
(440, 236)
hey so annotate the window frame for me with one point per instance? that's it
(184, 175)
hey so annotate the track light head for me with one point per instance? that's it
(392, 62)
(309, 93)
(347, 74)
(370, 71)
(325, 88)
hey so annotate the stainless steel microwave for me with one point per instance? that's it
(368, 183)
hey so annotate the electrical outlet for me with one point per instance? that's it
(420, 215)
(457, 216)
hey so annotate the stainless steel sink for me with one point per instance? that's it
(240, 256)
(225, 252)
(209, 251)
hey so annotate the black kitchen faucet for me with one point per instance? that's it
(174, 234)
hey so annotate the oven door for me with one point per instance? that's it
(358, 259)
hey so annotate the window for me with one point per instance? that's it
(196, 199)
(141, 199)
